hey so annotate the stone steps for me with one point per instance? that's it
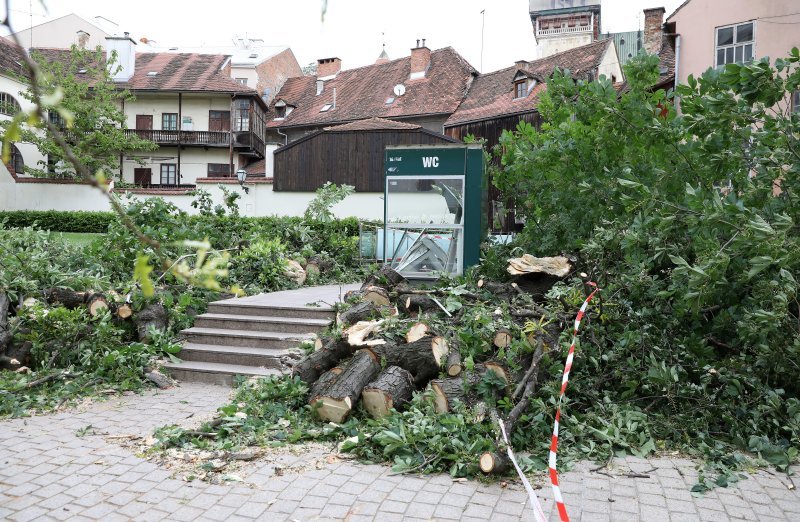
(261, 323)
(231, 307)
(235, 355)
(215, 373)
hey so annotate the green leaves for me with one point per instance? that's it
(141, 274)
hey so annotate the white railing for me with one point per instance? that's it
(565, 30)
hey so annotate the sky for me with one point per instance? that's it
(353, 30)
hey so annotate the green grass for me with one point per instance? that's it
(77, 238)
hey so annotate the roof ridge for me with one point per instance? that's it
(598, 42)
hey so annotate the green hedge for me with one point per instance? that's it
(57, 221)
(97, 222)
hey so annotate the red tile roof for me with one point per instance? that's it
(363, 92)
(373, 124)
(492, 94)
(12, 59)
(186, 72)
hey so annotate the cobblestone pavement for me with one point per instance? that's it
(56, 468)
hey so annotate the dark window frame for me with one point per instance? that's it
(9, 105)
(223, 117)
(729, 50)
(167, 120)
(520, 89)
(171, 171)
(218, 170)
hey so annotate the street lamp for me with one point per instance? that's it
(241, 175)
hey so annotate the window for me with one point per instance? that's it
(796, 102)
(169, 174)
(280, 111)
(17, 162)
(520, 89)
(57, 120)
(169, 121)
(219, 121)
(241, 116)
(243, 81)
(219, 170)
(326, 107)
(8, 104)
(735, 43)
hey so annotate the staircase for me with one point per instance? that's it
(248, 336)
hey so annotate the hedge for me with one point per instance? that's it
(97, 222)
(57, 221)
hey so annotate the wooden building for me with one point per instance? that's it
(349, 154)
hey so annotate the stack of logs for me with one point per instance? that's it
(14, 356)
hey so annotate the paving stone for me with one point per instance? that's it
(393, 506)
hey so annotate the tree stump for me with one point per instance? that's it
(337, 401)
(502, 338)
(153, 315)
(391, 389)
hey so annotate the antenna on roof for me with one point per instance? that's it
(483, 24)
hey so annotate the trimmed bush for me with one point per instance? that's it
(57, 221)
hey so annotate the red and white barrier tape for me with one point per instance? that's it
(562, 509)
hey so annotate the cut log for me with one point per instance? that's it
(447, 391)
(454, 363)
(358, 333)
(337, 402)
(558, 266)
(65, 297)
(502, 338)
(494, 463)
(423, 358)
(325, 380)
(124, 311)
(96, 304)
(151, 316)
(295, 272)
(417, 303)
(387, 277)
(159, 379)
(317, 363)
(375, 295)
(499, 369)
(319, 342)
(358, 312)
(416, 332)
(392, 389)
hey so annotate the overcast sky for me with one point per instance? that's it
(352, 30)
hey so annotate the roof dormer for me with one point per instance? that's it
(523, 82)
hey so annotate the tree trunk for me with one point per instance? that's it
(416, 332)
(317, 363)
(65, 297)
(387, 277)
(417, 303)
(362, 311)
(502, 338)
(154, 315)
(376, 295)
(453, 362)
(325, 380)
(494, 463)
(96, 303)
(337, 402)
(422, 358)
(447, 391)
(391, 389)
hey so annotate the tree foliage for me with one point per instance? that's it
(82, 99)
(690, 223)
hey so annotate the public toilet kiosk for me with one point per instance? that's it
(434, 209)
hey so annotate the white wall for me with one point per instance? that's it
(194, 162)
(246, 72)
(609, 65)
(62, 33)
(196, 106)
(261, 201)
(30, 154)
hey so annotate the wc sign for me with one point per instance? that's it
(430, 161)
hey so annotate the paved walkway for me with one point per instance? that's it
(321, 297)
(69, 466)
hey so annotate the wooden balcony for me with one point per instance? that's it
(185, 138)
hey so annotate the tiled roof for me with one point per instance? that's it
(257, 168)
(183, 72)
(175, 72)
(373, 124)
(12, 59)
(492, 94)
(362, 93)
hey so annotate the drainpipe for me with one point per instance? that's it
(180, 118)
(677, 57)
(285, 137)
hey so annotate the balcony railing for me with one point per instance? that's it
(169, 137)
(564, 30)
(171, 186)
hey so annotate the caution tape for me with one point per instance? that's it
(538, 512)
(562, 509)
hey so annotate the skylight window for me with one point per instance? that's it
(326, 107)
(389, 100)
(152, 73)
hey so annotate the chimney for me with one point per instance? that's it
(420, 60)
(521, 64)
(328, 67)
(653, 32)
(125, 65)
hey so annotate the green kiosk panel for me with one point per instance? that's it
(434, 209)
